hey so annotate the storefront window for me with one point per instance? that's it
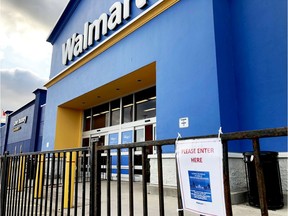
(139, 135)
(87, 120)
(127, 106)
(85, 142)
(115, 112)
(146, 104)
(100, 116)
(141, 105)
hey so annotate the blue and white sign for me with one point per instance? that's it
(113, 139)
(127, 137)
(200, 173)
(200, 188)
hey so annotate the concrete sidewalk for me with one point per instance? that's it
(170, 203)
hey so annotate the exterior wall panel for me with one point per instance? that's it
(260, 55)
(20, 138)
(181, 69)
(219, 63)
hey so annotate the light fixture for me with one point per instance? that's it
(151, 109)
(128, 105)
(115, 109)
(104, 112)
(141, 101)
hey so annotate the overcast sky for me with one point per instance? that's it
(25, 56)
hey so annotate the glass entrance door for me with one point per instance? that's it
(142, 134)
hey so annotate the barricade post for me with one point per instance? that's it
(21, 173)
(69, 179)
(39, 178)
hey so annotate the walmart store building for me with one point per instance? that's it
(128, 70)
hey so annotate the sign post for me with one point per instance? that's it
(200, 170)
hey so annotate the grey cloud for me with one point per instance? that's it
(17, 86)
(42, 11)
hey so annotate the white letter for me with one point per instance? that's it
(79, 45)
(94, 28)
(67, 49)
(126, 9)
(141, 3)
(85, 36)
(116, 15)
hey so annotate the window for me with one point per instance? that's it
(146, 103)
(100, 116)
(115, 112)
(85, 142)
(87, 120)
(139, 135)
(127, 107)
(134, 107)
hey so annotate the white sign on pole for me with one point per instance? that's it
(200, 173)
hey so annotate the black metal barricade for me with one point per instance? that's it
(70, 182)
(254, 136)
(46, 183)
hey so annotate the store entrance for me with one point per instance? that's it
(99, 139)
(142, 134)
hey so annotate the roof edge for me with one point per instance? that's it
(62, 20)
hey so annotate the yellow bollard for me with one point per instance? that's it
(39, 177)
(21, 173)
(70, 190)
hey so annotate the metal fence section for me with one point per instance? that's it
(71, 182)
(98, 149)
(45, 183)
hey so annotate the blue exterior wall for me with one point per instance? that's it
(260, 44)
(38, 121)
(20, 138)
(26, 136)
(2, 138)
(176, 63)
(40, 127)
(220, 63)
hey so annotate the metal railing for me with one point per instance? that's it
(69, 182)
(44, 183)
